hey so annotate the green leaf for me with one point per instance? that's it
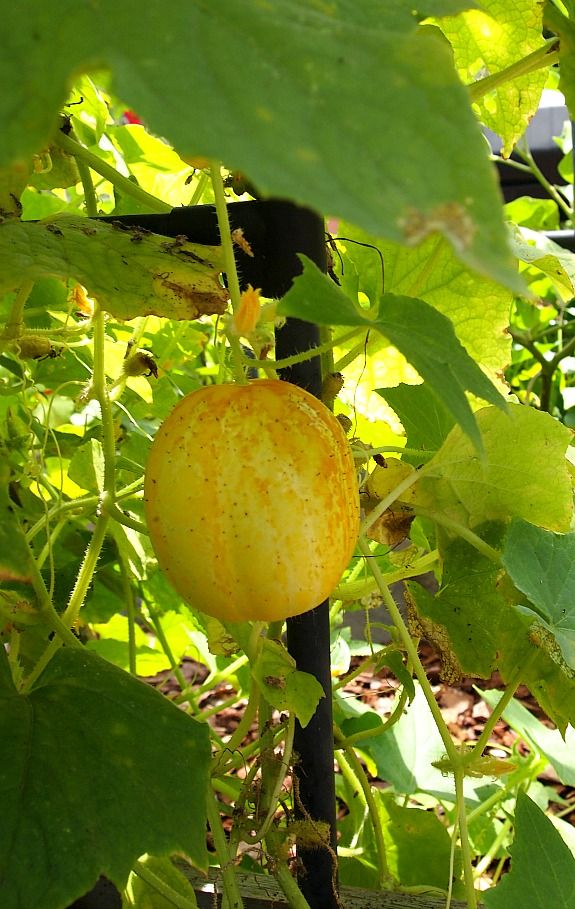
(87, 466)
(417, 844)
(130, 273)
(536, 250)
(14, 552)
(565, 28)
(542, 565)
(475, 628)
(96, 769)
(559, 750)
(426, 421)
(422, 334)
(479, 308)
(143, 893)
(404, 754)
(321, 87)
(523, 473)
(284, 686)
(486, 41)
(542, 867)
(465, 620)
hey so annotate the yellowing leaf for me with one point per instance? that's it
(131, 273)
(523, 473)
(488, 40)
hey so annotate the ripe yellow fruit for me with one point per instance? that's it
(251, 500)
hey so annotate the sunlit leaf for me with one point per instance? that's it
(321, 86)
(422, 334)
(486, 41)
(523, 473)
(537, 250)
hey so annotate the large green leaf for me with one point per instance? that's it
(130, 272)
(96, 769)
(417, 844)
(293, 93)
(475, 628)
(466, 619)
(542, 565)
(542, 868)
(421, 333)
(486, 41)
(523, 473)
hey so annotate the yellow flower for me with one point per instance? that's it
(246, 318)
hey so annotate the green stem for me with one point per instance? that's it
(499, 708)
(232, 898)
(460, 529)
(392, 719)
(305, 355)
(356, 590)
(291, 891)
(101, 394)
(156, 622)
(229, 265)
(246, 721)
(525, 152)
(360, 350)
(128, 596)
(77, 597)
(122, 518)
(199, 190)
(271, 787)
(46, 607)
(485, 862)
(221, 675)
(364, 454)
(90, 198)
(389, 499)
(81, 153)
(544, 56)
(13, 327)
(411, 651)
(156, 883)
(466, 857)
(355, 770)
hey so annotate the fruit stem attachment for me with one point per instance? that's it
(229, 265)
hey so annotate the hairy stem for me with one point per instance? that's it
(355, 770)
(81, 153)
(232, 898)
(229, 265)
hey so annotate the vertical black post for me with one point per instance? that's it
(291, 230)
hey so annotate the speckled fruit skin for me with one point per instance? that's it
(251, 500)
